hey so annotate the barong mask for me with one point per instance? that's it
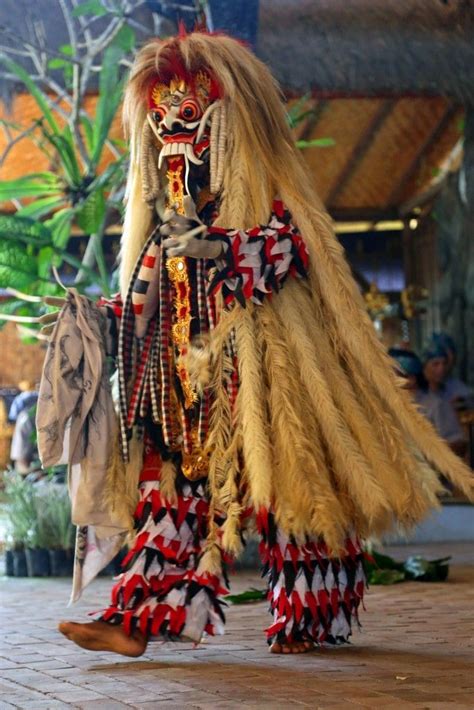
(186, 116)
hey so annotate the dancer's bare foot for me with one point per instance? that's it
(295, 647)
(100, 636)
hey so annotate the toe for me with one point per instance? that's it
(65, 627)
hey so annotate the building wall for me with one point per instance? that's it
(18, 360)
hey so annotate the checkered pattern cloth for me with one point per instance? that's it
(255, 263)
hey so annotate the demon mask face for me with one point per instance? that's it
(179, 114)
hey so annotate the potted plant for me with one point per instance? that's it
(21, 514)
(40, 536)
(62, 532)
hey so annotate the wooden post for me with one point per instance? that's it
(454, 214)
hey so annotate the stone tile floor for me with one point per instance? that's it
(415, 650)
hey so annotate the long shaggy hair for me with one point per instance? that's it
(329, 437)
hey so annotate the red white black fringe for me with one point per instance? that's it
(312, 597)
(162, 591)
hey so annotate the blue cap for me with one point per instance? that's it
(445, 340)
(433, 349)
(408, 361)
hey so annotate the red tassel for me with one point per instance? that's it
(297, 606)
(335, 600)
(177, 619)
(183, 508)
(159, 615)
(143, 623)
(275, 628)
(311, 603)
(323, 601)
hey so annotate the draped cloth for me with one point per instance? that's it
(76, 425)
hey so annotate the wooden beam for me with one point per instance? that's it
(312, 120)
(434, 135)
(363, 214)
(360, 150)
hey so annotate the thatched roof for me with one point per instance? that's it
(386, 152)
(370, 46)
(335, 46)
(376, 70)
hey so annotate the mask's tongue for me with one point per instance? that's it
(177, 182)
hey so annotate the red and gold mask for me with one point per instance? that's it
(179, 113)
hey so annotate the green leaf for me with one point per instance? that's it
(110, 96)
(88, 128)
(65, 147)
(296, 114)
(17, 268)
(45, 260)
(60, 227)
(386, 576)
(40, 208)
(423, 570)
(316, 143)
(112, 175)
(383, 562)
(90, 7)
(14, 306)
(67, 50)
(57, 63)
(24, 228)
(119, 143)
(33, 185)
(248, 597)
(91, 215)
(39, 96)
(125, 39)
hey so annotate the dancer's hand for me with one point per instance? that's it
(181, 238)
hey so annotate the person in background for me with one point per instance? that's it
(24, 450)
(425, 381)
(409, 366)
(455, 390)
(25, 400)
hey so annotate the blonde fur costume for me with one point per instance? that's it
(275, 402)
(330, 440)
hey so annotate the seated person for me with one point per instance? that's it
(455, 390)
(25, 400)
(24, 449)
(425, 381)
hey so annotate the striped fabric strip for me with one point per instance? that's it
(125, 355)
(139, 391)
(201, 296)
(154, 377)
(186, 427)
(203, 312)
(165, 359)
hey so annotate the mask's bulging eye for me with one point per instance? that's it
(158, 114)
(190, 110)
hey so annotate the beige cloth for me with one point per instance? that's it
(77, 425)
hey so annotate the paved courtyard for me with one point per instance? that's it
(415, 651)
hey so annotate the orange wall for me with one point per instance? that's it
(25, 156)
(18, 360)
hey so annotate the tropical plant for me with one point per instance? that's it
(20, 510)
(38, 514)
(83, 188)
(304, 110)
(53, 528)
